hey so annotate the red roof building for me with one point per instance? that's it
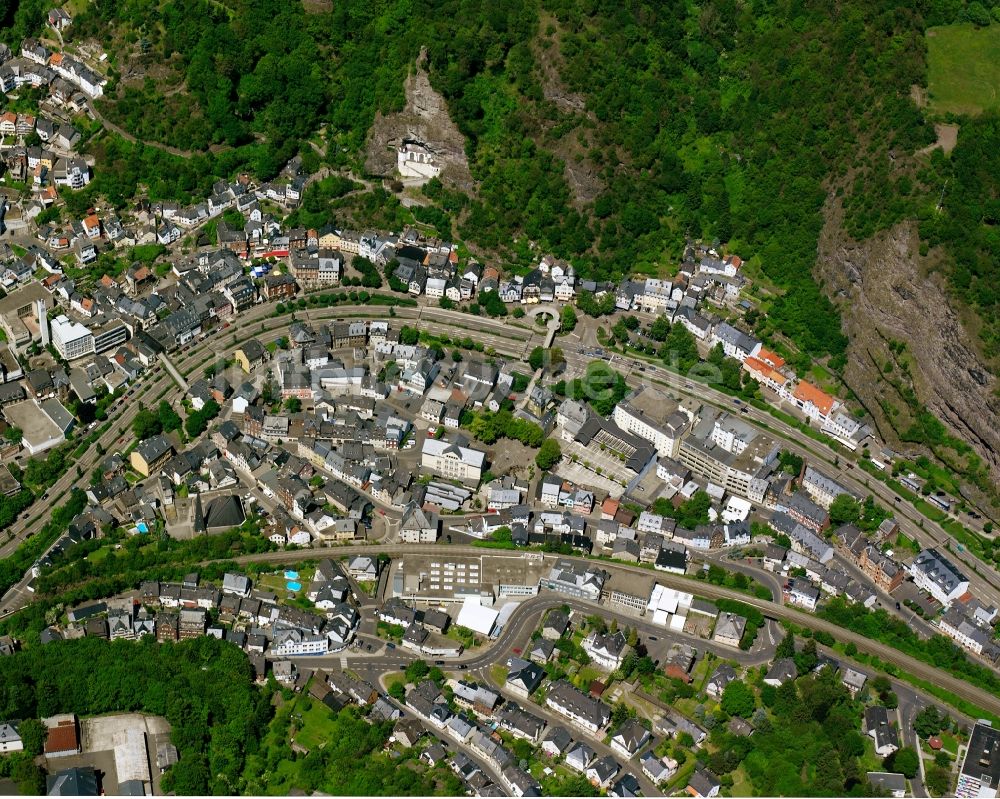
(64, 736)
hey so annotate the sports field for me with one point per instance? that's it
(963, 68)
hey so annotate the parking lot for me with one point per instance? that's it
(124, 738)
(581, 475)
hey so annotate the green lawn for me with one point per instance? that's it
(317, 725)
(275, 581)
(282, 780)
(963, 68)
(822, 378)
(869, 760)
(466, 637)
(702, 671)
(741, 783)
(586, 675)
(950, 743)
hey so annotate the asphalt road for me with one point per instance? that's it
(202, 352)
(909, 706)
(768, 579)
(913, 523)
(802, 618)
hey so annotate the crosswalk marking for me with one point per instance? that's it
(343, 661)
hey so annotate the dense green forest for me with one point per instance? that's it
(691, 127)
(968, 226)
(809, 747)
(722, 120)
(203, 687)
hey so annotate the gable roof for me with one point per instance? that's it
(807, 392)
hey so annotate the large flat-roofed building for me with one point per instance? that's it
(71, 339)
(452, 460)
(733, 472)
(727, 454)
(652, 415)
(18, 312)
(38, 431)
(628, 591)
(980, 772)
(8, 484)
(444, 578)
(109, 333)
(10, 368)
(60, 417)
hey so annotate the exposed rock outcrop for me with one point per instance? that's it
(424, 119)
(885, 295)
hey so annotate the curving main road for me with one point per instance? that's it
(914, 524)
(186, 360)
(960, 688)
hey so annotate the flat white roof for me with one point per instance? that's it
(736, 510)
(668, 600)
(68, 330)
(476, 617)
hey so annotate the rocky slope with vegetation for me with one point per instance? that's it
(909, 348)
(600, 133)
(425, 119)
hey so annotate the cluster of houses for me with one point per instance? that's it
(253, 619)
(71, 83)
(705, 277)
(260, 236)
(477, 712)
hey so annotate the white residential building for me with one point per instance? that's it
(938, 576)
(452, 461)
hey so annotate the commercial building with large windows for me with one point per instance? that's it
(71, 339)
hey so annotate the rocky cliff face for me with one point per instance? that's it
(887, 293)
(425, 119)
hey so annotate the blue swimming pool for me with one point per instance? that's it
(142, 528)
(291, 575)
(293, 586)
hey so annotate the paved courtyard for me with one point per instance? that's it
(125, 737)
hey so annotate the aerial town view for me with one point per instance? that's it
(518, 398)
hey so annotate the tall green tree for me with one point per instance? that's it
(549, 454)
(738, 699)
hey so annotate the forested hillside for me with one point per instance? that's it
(601, 131)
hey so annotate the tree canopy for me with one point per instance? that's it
(738, 699)
(549, 454)
(203, 687)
